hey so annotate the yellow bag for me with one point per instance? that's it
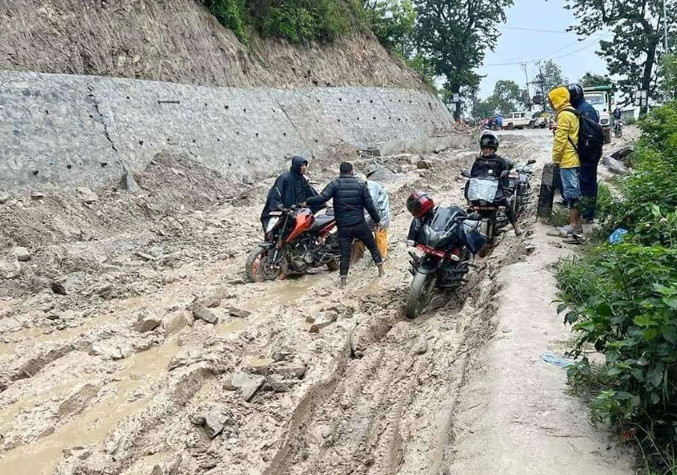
(381, 237)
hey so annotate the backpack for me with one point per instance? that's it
(590, 138)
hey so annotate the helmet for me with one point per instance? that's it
(489, 139)
(419, 203)
(576, 94)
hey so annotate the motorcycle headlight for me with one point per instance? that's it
(604, 121)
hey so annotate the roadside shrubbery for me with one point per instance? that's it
(622, 298)
(294, 20)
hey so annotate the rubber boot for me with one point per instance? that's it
(381, 272)
(343, 282)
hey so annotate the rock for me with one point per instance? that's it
(292, 370)
(10, 269)
(87, 195)
(278, 384)
(59, 288)
(110, 350)
(214, 423)
(37, 195)
(239, 313)
(21, 254)
(145, 324)
(259, 365)
(202, 313)
(4, 198)
(247, 180)
(310, 319)
(248, 384)
(383, 175)
(322, 322)
(614, 166)
(283, 354)
(420, 346)
(144, 256)
(423, 165)
(128, 183)
(156, 251)
(622, 153)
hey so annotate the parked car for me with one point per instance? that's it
(517, 120)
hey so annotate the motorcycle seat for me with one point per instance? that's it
(322, 220)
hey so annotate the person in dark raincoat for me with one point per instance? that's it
(290, 188)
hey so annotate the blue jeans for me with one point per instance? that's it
(571, 188)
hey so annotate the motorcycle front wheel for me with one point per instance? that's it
(618, 133)
(258, 267)
(420, 293)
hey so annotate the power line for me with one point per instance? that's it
(546, 55)
(519, 28)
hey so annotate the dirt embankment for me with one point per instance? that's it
(179, 41)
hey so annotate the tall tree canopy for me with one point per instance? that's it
(634, 50)
(507, 96)
(454, 36)
(592, 79)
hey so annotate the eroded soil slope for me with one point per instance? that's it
(179, 41)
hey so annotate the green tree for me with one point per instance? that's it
(392, 21)
(549, 76)
(455, 35)
(483, 109)
(634, 50)
(668, 75)
(592, 79)
(507, 96)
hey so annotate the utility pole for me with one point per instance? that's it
(524, 65)
(541, 79)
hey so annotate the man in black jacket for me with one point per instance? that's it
(351, 197)
(290, 188)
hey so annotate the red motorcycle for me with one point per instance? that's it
(295, 241)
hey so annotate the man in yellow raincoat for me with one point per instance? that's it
(565, 156)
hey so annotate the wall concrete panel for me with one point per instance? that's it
(67, 131)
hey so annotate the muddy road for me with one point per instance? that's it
(104, 368)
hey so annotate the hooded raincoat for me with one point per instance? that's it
(563, 152)
(289, 189)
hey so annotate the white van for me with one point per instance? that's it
(517, 120)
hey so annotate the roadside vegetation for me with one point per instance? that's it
(621, 300)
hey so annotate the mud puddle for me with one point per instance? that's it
(130, 393)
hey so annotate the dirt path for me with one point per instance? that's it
(515, 415)
(85, 391)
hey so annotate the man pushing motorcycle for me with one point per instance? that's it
(351, 197)
(290, 188)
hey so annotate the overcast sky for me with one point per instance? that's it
(516, 44)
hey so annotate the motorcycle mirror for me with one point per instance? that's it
(465, 173)
(531, 161)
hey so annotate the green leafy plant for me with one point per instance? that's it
(231, 14)
(622, 299)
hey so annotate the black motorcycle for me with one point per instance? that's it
(481, 194)
(448, 240)
(518, 188)
(618, 128)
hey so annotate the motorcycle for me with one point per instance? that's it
(519, 187)
(295, 241)
(481, 196)
(618, 128)
(448, 243)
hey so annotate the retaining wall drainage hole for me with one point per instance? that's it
(141, 142)
(227, 107)
(47, 112)
(35, 172)
(104, 164)
(245, 110)
(69, 166)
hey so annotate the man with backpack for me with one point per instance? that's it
(565, 156)
(590, 152)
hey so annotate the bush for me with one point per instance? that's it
(294, 20)
(622, 299)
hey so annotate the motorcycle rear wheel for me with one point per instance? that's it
(420, 294)
(258, 269)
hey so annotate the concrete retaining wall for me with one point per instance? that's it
(67, 131)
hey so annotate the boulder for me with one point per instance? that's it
(236, 312)
(248, 384)
(22, 254)
(423, 165)
(614, 166)
(146, 323)
(200, 312)
(293, 370)
(10, 269)
(4, 198)
(87, 195)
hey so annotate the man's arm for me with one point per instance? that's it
(369, 205)
(326, 195)
(276, 198)
(561, 137)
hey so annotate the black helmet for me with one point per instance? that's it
(489, 139)
(576, 94)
